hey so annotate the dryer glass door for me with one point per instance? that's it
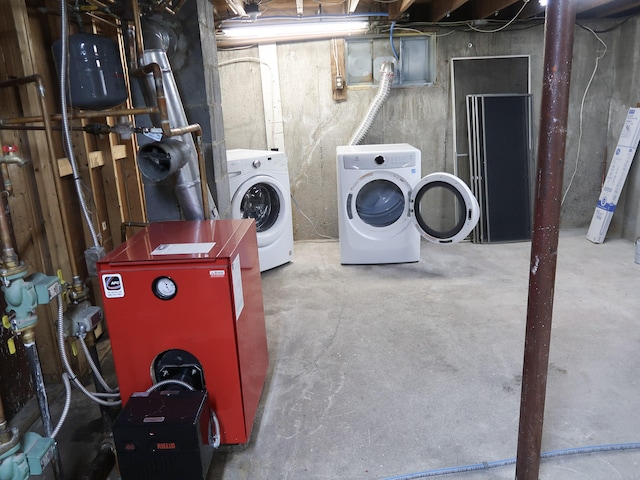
(444, 209)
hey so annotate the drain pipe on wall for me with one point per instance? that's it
(558, 47)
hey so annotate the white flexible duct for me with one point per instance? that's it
(386, 78)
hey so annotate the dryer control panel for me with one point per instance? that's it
(373, 157)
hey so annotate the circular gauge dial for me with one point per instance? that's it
(164, 288)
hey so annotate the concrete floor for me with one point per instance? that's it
(390, 370)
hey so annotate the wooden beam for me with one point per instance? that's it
(532, 9)
(616, 9)
(585, 5)
(488, 8)
(24, 55)
(398, 8)
(441, 9)
(620, 9)
(96, 159)
(338, 70)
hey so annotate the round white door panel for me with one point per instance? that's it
(262, 199)
(444, 209)
(377, 205)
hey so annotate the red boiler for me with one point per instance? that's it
(183, 301)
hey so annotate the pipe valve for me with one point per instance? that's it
(9, 155)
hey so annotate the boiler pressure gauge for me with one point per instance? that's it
(164, 288)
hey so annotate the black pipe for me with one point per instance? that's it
(106, 412)
(41, 395)
(558, 44)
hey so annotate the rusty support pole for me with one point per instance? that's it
(558, 51)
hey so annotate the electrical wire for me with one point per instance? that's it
(96, 397)
(502, 27)
(334, 50)
(511, 461)
(94, 367)
(393, 47)
(261, 62)
(66, 407)
(214, 429)
(313, 225)
(613, 27)
(66, 129)
(170, 381)
(584, 96)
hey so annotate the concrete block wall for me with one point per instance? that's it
(314, 124)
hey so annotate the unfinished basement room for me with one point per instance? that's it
(319, 239)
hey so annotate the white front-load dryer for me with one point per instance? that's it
(260, 189)
(384, 205)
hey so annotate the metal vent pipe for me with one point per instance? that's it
(188, 189)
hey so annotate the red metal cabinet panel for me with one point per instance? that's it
(217, 313)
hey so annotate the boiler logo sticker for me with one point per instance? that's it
(112, 285)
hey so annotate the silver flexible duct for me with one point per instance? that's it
(386, 79)
(187, 186)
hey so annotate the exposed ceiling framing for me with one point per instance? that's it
(428, 11)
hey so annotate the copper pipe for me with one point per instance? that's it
(559, 30)
(37, 79)
(175, 9)
(35, 128)
(6, 179)
(9, 256)
(81, 114)
(203, 175)
(161, 98)
(135, 7)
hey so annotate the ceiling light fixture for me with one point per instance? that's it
(303, 29)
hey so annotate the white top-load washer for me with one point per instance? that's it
(384, 205)
(260, 189)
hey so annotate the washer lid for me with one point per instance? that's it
(443, 208)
